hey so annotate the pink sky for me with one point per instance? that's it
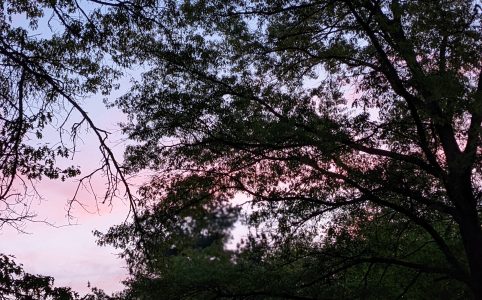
(70, 253)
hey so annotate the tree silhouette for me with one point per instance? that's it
(353, 126)
(45, 78)
(16, 284)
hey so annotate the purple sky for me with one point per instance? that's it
(70, 253)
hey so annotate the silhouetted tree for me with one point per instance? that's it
(15, 283)
(50, 61)
(351, 125)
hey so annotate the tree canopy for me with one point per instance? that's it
(351, 127)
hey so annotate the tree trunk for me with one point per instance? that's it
(460, 192)
(472, 239)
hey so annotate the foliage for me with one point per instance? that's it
(181, 254)
(352, 127)
(185, 235)
(50, 61)
(15, 283)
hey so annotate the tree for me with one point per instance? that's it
(172, 264)
(185, 235)
(351, 125)
(45, 78)
(16, 284)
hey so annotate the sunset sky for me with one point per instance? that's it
(69, 253)
(240, 149)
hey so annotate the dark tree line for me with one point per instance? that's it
(351, 127)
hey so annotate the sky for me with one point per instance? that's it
(68, 253)
(67, 249)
